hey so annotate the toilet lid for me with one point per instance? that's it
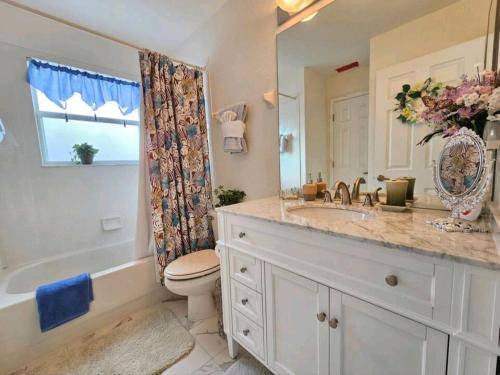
(190, 266)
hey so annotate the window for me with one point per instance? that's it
(114, 133)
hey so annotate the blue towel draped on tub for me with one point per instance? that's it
(63, 300)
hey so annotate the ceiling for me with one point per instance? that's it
(160, 25)
(341, 32)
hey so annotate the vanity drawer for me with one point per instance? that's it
(246, 269)
(246, 301)
(244, 234)
(404, 282)
(248, 333)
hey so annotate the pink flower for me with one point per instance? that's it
(450, 131)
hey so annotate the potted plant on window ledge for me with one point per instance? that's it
(83, 153)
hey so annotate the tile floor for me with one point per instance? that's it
(210, 354)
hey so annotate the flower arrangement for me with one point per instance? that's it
(410, 102)
(448, 108)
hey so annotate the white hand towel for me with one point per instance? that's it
(233, 132)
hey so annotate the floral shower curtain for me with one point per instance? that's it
(177, 155)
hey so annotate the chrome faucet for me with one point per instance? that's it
(343, 189)
(355, 188)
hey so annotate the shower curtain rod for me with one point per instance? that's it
(91, 31)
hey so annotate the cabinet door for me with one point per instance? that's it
(467, 359)
(370, 340)
(297, 333)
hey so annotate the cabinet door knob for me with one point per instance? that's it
(243, 269)
(333, 323)
(391, 280)
(244, 301)
(246, 332)
(321, 316)
(241, 235)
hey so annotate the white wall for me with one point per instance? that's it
(316, 125)
(49, 211)
(238, 46)
(349, 82)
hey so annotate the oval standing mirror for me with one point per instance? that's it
(461, 165)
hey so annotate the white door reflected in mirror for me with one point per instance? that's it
(2, 131)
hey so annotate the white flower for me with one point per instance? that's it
(471, 99)
(493, 117)
(494, 101)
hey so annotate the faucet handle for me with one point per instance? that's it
(327, 196)
(376, 198)
(368, 200)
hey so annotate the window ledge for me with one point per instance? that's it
(95, 164)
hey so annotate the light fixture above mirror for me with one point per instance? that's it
(308, 18)
(293, 6)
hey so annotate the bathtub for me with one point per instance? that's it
(121, 285)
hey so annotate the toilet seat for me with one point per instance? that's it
(193, 265)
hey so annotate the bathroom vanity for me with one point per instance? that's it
(374, 292)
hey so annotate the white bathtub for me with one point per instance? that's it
(120, 286)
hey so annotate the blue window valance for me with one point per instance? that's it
(59, 83)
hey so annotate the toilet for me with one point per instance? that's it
(194, 275)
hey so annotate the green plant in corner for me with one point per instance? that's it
(83, 153)
(229, 196)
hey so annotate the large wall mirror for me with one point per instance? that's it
(338, 74)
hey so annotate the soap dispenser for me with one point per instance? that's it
(309, 190)
(320, 186)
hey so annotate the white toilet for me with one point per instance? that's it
(194, 275)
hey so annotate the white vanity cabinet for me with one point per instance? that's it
(312, 329)
(297, 323)
(305, 302)
(366, 339)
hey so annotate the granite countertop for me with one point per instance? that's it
(406, 230)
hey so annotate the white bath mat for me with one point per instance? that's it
(146, 344)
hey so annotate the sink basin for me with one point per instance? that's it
(329, 213)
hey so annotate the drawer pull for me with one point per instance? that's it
(321, 316)
(243, 269)
(244, 301)
(391, 280)
(242, 234)
(246, 332)
(333, 323)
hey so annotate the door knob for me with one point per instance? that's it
(246, 332)
(391, 280)
(321, 316)
(243, 269)
(241, 235)
(244, 301)
(333, 323)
